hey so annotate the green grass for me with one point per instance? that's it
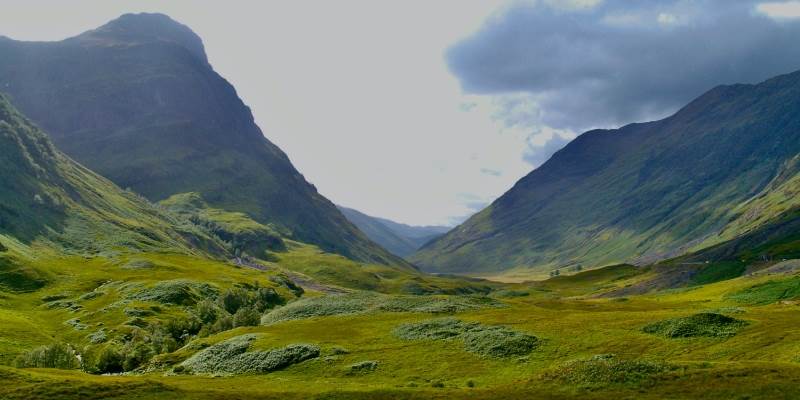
(768, 292)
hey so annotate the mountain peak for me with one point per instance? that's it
(149, 27)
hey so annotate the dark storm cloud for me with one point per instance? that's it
(622, 61)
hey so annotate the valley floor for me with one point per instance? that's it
(587, 346)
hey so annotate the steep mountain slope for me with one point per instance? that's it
(137, 101)
(50, 200)
(636, 194)
(399, 239)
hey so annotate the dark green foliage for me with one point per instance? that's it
(364, 302)
(246, 316)
(703, 324)
(232, 357)
(179, 291)
(207, 311)
(719, 271)
(19, 278)
(288, 283)
(56, 355)
(769, 292)
(607, 369)
(232, 299)
(110, 361)
(490, 341)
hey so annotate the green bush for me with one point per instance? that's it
(232, 357)
(178, 291)
(207, 311)
(366, 303)
(246, 316)
(233, 299)
(703, 324)
(490, 341)
(110, 361)
(363, 367)
(56, 355)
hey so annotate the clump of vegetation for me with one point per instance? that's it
(768, 292)
(510, 293)
(56, 355)
(363, 367)
(489, 341)
(232, 357)
(703, 324)
(499, 342)
(178, 291)
(607, 369)
(364, 303)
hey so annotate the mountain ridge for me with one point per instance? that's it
(612, 196)
(132, 102)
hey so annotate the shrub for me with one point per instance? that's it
(233, 299)
(363, 367)
(246, 316)
(207, 311)
(499, 342)
(110, 361)
(266, 298)
(56, 355)
(178, 291)
(365, 303)
(232, 357)
(490, 341)
(703, 324)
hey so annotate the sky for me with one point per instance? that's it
(424, 112)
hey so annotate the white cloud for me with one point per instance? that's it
(780, 10)
(667, 19)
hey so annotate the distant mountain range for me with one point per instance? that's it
(722, 167)
(137, 101)
(399, 239)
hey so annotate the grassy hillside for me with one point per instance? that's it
(641, 193)
(556, 339)
(136, 101)
(400, 239)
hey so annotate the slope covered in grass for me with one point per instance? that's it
(643, 192)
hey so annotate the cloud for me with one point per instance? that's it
(620, 61)
(780, 10)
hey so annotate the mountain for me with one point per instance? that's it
(399, 239)
(50, 202)
(137, 101)
(641, 193)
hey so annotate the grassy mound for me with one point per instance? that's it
(232, 357)
(178, 291)
(606, 369)
(18, 278)
(769, 292)
(363, 303)
(703, 324)
(490, 341)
